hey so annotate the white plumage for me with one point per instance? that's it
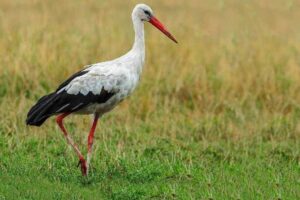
(99, 87)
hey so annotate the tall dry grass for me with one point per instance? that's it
(235, 74)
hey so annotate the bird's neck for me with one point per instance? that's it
(139, 40)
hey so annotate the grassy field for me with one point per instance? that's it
(215, 117)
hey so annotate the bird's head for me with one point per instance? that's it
(145, 14)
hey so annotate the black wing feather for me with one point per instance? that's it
(62, 102)
(77, 102)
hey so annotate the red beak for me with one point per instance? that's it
(155, 22)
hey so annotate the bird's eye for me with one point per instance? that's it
(147, 12)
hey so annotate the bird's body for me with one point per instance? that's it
(96, 89)
(99, 87)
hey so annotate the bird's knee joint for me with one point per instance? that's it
(58, 120)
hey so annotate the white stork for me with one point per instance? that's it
(99, 87)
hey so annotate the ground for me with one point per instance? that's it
(214, 117)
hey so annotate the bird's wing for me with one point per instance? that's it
(96, 84)
(87, 87)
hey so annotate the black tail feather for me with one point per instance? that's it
(38, 114)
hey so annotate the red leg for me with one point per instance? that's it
(90, 140)
(59, 120)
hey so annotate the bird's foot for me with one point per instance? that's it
(83, 166)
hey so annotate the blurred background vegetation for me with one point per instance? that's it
(229, 91)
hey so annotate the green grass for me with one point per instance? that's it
(125, 168)
(214, 117)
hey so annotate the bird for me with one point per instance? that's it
(99, 87)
